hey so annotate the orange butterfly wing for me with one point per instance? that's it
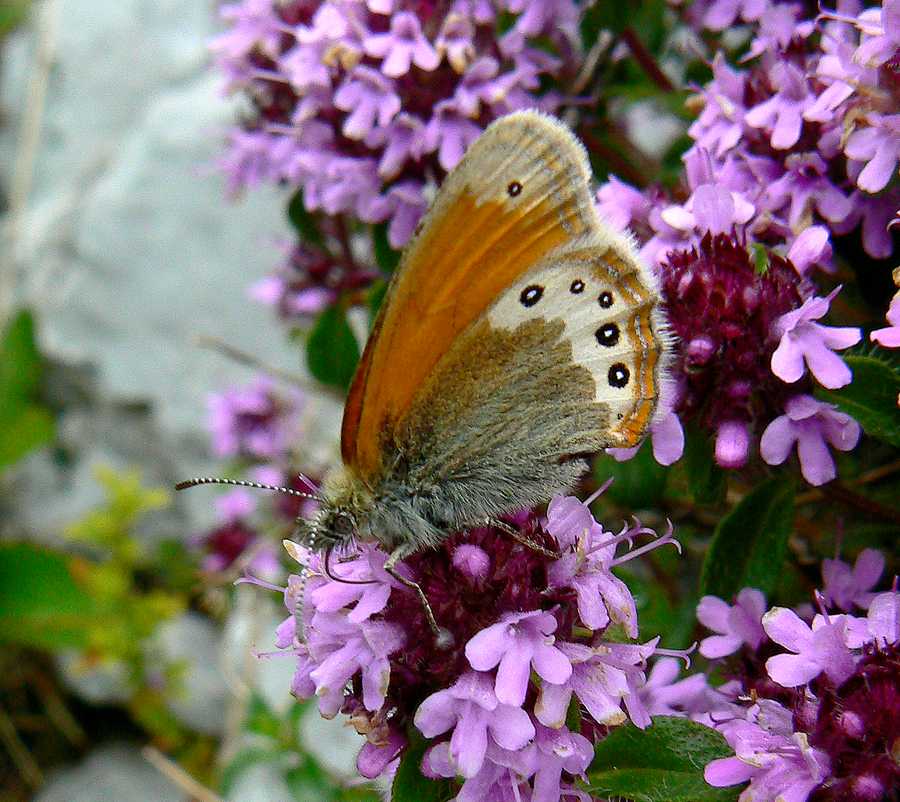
(520, 194)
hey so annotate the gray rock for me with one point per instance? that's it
(195, 642)
(112, 773)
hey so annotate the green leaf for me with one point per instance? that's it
(749, 545)
(24, 431)
(25, 424)
(658, 613)
(331, 350)
(41, 604)
(385, 256)
(260, 719)
(410, 785)
(603, 17)
(12, 14)
(663, 763)
(20, 361)
(706, 480)
(303, 222)
(871, 397)
(638, 483)
(241, 762)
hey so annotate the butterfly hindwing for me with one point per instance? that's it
(517, 212)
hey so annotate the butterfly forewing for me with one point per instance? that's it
(515, 215)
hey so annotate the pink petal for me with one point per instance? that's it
(792, 670)
(713, 208)
(436, 714)
(787, 361)
(816, 463)
(373, 601)
(552, 704)
(728, 771)
(884, 617)
(712, 612)
(719, 646)
(868, 568)
(839, 337)
(513, 675)
(787, 629)
(469, 741)
(667, 438)
(511, 727)
(829, 369)
(551, 664)
(486, 649)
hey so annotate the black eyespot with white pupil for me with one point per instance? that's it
(605, 300)
(531, 295)
(607, 335)
(618, 375)
(577, 286)
(514, 188)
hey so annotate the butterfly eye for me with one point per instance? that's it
(342, 525)
(514, 188)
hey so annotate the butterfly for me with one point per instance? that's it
(519, 335)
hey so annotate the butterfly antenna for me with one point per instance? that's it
(212, 480)
(334, 578)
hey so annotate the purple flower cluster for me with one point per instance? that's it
(530, 634)
(256, 422)
(363, 104)
(796, 148)
(314, 277)
(235, 539)
(824, 712)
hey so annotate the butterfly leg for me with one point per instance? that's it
(442, 636)
(516, 535)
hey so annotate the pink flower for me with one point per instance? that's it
(780, 764)
(732, 444)
(883, 620)
(845, 587)
(518, 642)
(720, 126)
(449, 133)
(878, 146)
(811, 247)
(472, 710)
(619, 203)
(603, 677)
(813, 426)
(368, 599)
(472, 560)
(369, 97)
(805, 186)
(803, 340)
(882, 34)
(342, 648)
(721, 14)
(737, 625)
(558, 750)
(782, 113)
(822, 648)
(402, 47)
(889, 337)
